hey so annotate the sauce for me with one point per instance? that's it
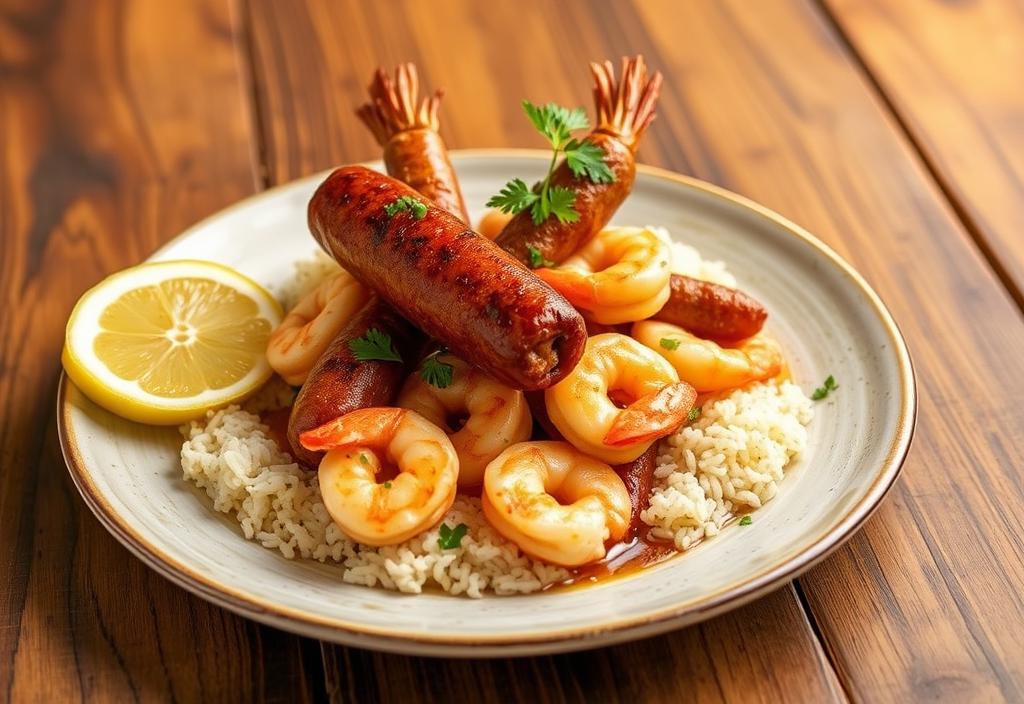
(621, 559)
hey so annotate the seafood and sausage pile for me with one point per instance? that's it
(541, 399)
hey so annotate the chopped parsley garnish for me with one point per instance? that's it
(375, 345)
(694, 414)
(584, 159)
(746, 521)
(823, 390)
(668, 343)
(537, 259)
(451, 537)
(435, 372)
(417, 207)
(387, 485)
(362, 459)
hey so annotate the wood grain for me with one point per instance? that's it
(763, 98)
(108, 151)
(714, 662)
(952, 73)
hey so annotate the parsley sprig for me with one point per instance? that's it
(823, 390)
(415, 206)
(451, 537)
(537, 258)
(584, 158)
(374, 345)
(668, 343)
(435, 372)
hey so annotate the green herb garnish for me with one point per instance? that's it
(694, 414)
(435, 372)
(387, 485)
(823, 390)
(668, 343)
(362, 459)
(375, 345)
(417, 207)
(451, 537)
(746, 521)
(584, 159)
(537, 259)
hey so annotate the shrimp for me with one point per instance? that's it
(492, 416)
(309, 327)
(619, 276)
(617, 367)
(554, 502)
(363, 445)
(707, 365)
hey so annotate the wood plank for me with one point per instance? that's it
(714, 662)
(762, 98)
(952, 72)
(108, 151)
(309, 83)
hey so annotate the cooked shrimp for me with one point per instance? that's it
(617, 367)
(554, 502)
(310, 326)
(492, 223)
(361, 445)
(619, 276)
(492, 415)
(707, 365)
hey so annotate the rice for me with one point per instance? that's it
(729, 460)
(277, 503)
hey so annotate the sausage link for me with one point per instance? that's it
(455, 285)
(638, 476)
(419, 158)
(339, 383)
(712, 311)
(595, 202)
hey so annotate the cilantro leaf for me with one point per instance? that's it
(555, 122)
(668, 343)
(375, 345)
(516, 196)
(537, 259)
(451, 538)
(586, 158)
(823, 390)
(435, 372)
(560, 203)
(746, 521)
(415, 206)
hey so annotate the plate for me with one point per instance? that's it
(827, 317)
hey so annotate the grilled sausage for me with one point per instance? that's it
(638, 476)
(624, 112)
(712, 311)
(414, 152)
(455, 285)
(339, 383)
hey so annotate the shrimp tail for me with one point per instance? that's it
(625, 109)
(652, 416)
(395, 106)
(579, 289)
(361, 427)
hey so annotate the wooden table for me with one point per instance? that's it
(893, 129)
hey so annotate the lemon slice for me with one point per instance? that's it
(162, 342)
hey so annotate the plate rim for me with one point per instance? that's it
(606, 632)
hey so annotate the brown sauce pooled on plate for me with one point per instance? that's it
(622, 559)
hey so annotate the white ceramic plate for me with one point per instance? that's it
(827, 317)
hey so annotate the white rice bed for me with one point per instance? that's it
(729, 461)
